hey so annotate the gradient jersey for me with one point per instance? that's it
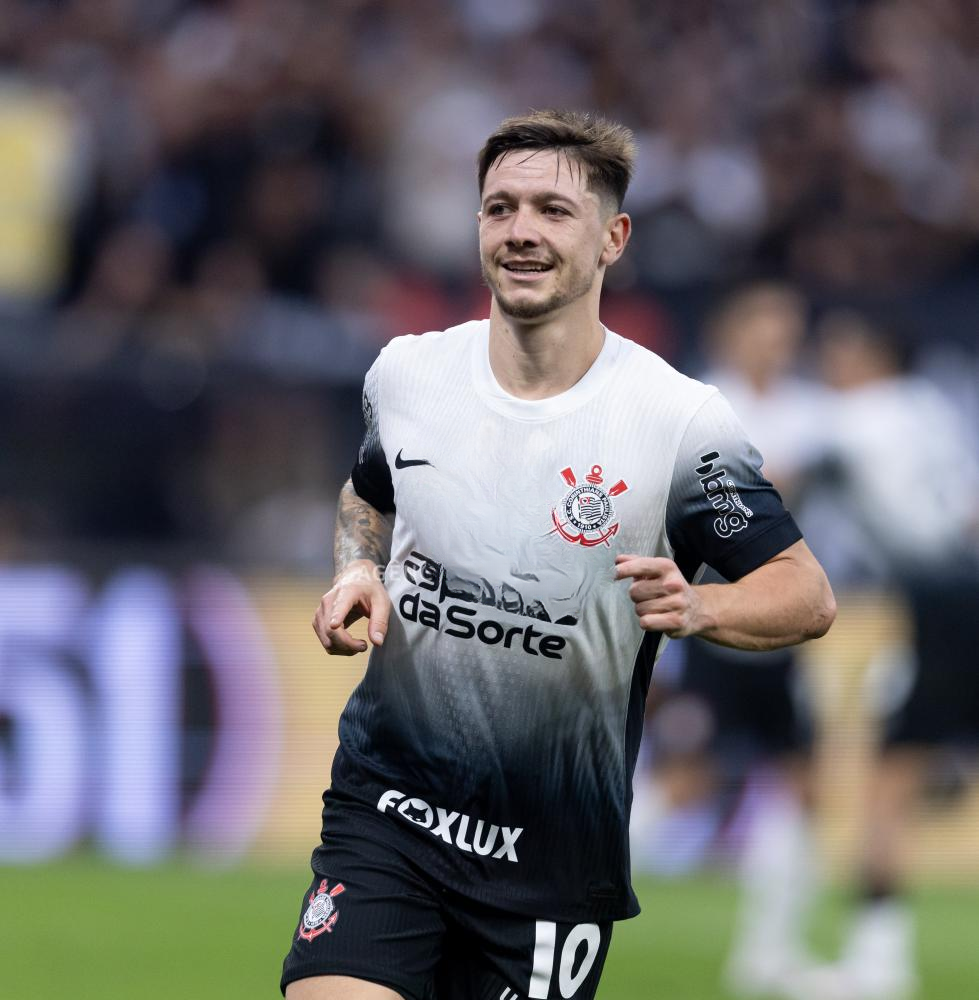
(495, 733)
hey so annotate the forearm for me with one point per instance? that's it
(784, 602)
(362, 532)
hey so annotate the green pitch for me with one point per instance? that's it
(88, 931)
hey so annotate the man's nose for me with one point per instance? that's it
(523, 230)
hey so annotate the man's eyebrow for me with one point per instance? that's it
(501, 194)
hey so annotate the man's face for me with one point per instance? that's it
(542, 233)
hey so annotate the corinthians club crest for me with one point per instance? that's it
(586, 516)
(322, 912)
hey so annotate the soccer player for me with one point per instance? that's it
(523, 530)
(919, 522)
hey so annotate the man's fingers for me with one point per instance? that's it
(663, 598)
(335, 639)
(343, 604)
(623, 565)
(377, 627)
(656, 606)
(338, 641)
(342, 643)
(669, 624)
(648, 567)
(645, 589)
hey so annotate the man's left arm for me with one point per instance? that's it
(786, 600)
(723, 512)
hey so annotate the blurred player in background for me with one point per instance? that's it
(760, 700)
(756, 713)
(528, 515)
(900, 469)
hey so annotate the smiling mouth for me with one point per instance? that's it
(527, 268)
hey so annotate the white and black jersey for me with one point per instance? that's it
(496, 730)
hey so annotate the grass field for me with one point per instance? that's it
(87, 931)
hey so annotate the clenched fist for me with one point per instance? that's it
(664, 601)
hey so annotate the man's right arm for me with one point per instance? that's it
(362, 533)
(361, 549)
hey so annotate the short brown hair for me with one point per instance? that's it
(605, 149)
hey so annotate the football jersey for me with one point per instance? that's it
(496, 730)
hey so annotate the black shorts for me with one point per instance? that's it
(756, 702)
(372, 914)
(941, 703)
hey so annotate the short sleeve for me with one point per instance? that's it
(722, 511)
(371, 475)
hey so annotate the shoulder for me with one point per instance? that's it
(656, 380)
(415, 367)
(440, 347)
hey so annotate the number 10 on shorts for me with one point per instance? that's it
(568, 979)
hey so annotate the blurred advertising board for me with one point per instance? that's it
(146, 711)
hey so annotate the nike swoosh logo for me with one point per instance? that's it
(407, 463)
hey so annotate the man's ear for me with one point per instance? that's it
(617, 233)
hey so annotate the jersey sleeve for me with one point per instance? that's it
(722, 511)
(371, 475)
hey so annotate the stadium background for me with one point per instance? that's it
(212, 215)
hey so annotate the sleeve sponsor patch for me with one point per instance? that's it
(721, 490)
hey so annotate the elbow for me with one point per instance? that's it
(823, 612)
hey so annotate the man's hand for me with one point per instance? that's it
(783, 601)
(356, 593)
(664, 601)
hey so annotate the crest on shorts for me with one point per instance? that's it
(322, 912)
(586, 515)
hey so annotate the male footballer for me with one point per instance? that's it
(524, 528)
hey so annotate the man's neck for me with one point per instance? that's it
(543, 359)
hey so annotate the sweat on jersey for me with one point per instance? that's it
(496, 731)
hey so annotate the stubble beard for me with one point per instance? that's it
(579, 285)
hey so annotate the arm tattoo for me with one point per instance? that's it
(362, 532)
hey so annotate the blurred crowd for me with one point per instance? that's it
(212, 210)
